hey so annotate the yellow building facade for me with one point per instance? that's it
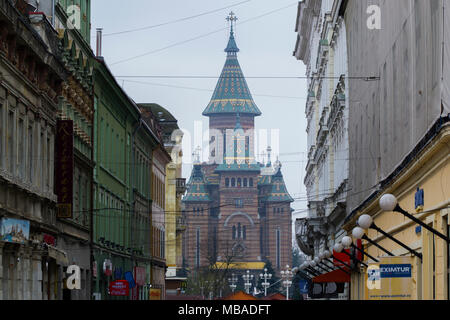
(427, 170)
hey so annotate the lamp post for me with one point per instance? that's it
(247, 278)
(233, 280)
(266, 276)
(368, 219)
(287, 277)
(388, 202)
(338, 247)
(364, 223)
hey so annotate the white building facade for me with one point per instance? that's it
(322, 46)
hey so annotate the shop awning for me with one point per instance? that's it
(338, 276)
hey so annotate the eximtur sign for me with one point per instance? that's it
(395, 270)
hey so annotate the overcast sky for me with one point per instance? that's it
(265, 36)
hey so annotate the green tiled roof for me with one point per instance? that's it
(196, 190)
(279, 191)
(232, 94)
(238, 167)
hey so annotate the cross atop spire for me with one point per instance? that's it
(232, 47)
(232, 19)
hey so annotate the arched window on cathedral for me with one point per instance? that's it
(227, 182)
(250, 184)
(245, 183)
(233, 232)
(239, 231)
(233, 182)
(244, 232)
(203, 210)
(239, 184)
(274, 210)
(282, 209)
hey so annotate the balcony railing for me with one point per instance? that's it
(181, 185)
(181, 224)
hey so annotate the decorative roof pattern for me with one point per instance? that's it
(238, 167)
(279, 191)
(196, 187)
(232, 94)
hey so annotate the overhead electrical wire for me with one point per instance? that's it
(175, 21)
(200, 36)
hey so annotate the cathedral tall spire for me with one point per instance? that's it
(232, 94)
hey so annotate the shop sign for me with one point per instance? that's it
(119, 288)
(328, 290)
(139, 273)
(107, 267)
(155, 294)
(64, 168)
(390, 279)
(14, 230)
(74, 280)
(303, 285)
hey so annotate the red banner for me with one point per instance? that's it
(342, 257)
(119, 288)
(64, 168)
(139, 276)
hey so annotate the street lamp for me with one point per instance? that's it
(247, 278)
(287, 277)
(266, 276)
(367, 222)
(388, 202)
(359, 233)
(347, 243)
(233, 280)
(326, 255)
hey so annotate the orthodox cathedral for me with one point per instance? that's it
(237, 210)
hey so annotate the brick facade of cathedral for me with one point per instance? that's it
(236, 209)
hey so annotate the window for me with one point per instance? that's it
(21, 154)
(250, 182)
(245, 182)
(10, 141)
(30, 152)
(1, 135)
(278, 247)
(244, 232)
(239, 182)
(239, 230)
(233, 182)
(197, 249)
(233, 232)
(238, 203)
(227, 182)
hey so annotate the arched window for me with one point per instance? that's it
(227, 182)
(250, 182)
(274, 210)
(233, 182)
(244, 232)
(233, 232)
(282, 209)
(239, 230)
(239, 182)
(245, 182)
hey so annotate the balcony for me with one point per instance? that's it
(181, 224)
(181, 185)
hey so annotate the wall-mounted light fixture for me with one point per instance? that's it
(388, 202)
(368, 221)
(359, 233)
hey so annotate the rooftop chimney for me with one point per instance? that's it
(99, 42)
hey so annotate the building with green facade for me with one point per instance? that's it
(123, 147)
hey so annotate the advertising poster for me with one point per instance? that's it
(390, 279)
(14, 230)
